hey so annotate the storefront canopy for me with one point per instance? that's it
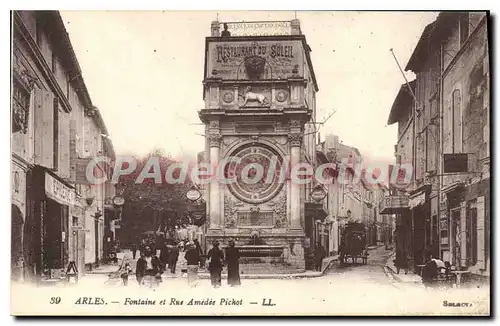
(417, 200)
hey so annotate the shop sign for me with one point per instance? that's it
(263, 60)
(118, 201)
(193, 194)
(58, 191)
(318, 194)
(259, 28)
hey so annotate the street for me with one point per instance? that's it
(359, 289)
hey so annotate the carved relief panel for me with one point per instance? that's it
(271, 214)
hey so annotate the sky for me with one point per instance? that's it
(144, 71)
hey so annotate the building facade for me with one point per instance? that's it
(49, 106)
(259, 94)
(448, 202)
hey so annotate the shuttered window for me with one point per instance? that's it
(481, 240)
(44, 128)
(472, 233)
(56, 134)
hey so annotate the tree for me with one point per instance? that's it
(150, 205)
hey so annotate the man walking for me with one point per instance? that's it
(173, 256)
(319, 255)
(148, 266)
(192, 257)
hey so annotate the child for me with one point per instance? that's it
(127, 270)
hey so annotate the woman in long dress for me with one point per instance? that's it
(233, 265)
(216, 257)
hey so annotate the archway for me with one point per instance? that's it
(16, 243)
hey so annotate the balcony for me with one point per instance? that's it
(257, 28)
(394, 204)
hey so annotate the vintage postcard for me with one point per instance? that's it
(250, 163)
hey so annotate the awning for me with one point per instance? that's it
(417, 200)
(452, 187)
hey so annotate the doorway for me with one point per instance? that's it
(16, 245)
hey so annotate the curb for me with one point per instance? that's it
(242, 276)
(267, 276)
(390, 272)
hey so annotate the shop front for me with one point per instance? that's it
(314, 230)
(452, 218)
(19, 207)
(420, 207)
(52, 202)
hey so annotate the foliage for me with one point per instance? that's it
(152, 206)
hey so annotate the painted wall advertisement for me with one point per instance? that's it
(255, 60)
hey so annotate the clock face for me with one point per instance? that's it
(257, 177)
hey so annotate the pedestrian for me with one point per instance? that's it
(216, 257)
(233, 265)
(142, 245)
(133, 247)
(192, 257)
(401, 262)
(319, 255)
(148, 265)
(126, 271)
(200, 252)
(164, 256)
(173, 256)
(430, 271)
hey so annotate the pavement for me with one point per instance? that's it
(409, 278)
(350, 289)
(203, 273)
(328, 263)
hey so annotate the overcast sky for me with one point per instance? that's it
(144, 71)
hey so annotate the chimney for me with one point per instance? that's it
(215, 28)
(330, 141)
(295, 27)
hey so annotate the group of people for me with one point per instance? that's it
(217, 259)
(153, 266)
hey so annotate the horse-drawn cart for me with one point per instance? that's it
(353, 243)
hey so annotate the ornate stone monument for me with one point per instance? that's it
(259, 94)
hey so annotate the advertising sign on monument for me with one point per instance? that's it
(236, 60)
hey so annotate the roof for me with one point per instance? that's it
(63, 43)
(344, 151)
(432, 35)
(403, 101)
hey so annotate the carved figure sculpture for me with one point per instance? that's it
(249, 96)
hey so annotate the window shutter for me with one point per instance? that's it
(44, 128)
(481, 252)
(64, 145)
(463, 235)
